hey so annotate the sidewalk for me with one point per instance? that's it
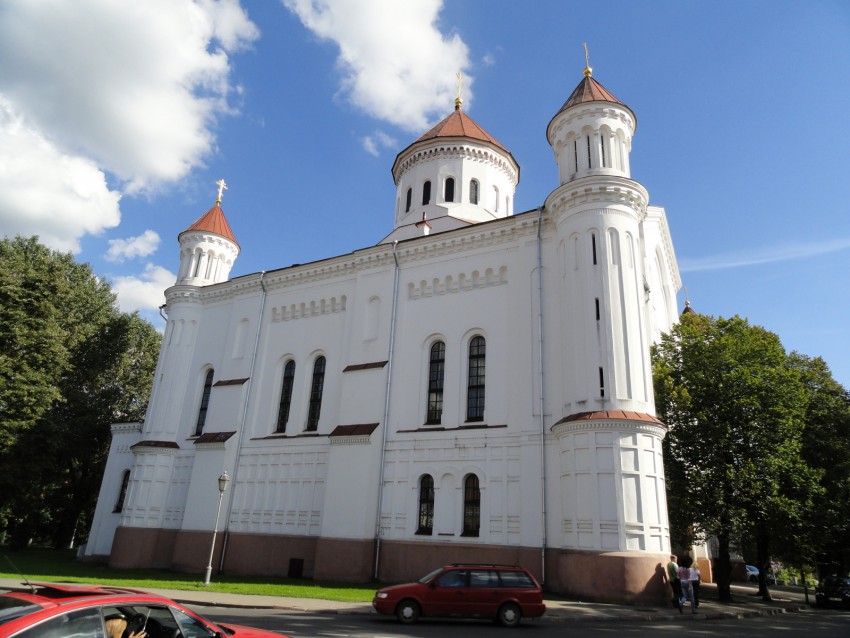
(746, 604)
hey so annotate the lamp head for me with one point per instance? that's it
(223, 480)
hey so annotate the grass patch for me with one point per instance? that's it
(49, 565)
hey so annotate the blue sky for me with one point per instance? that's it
(117, 119)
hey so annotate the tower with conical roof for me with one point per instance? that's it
(208, 247)
(609, 441)
(454, 175)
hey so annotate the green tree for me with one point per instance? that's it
(735, 410)
(70, 365)
(825, 534)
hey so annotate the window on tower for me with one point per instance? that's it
(409, 200)
(316, 389)
(426, 193)
(205, 402)
(473, 191)
(450, 189)
(122, 493)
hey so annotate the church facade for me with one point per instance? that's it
(474, 387)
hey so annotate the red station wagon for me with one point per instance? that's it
(504, 593)
(57, 610)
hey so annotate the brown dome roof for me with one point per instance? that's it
(214, 221)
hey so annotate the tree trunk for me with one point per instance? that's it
(724, 570)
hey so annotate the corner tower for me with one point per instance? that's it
(208, 248)
(608, 441)
(454, 175)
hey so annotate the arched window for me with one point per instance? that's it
(475, 380)
(285, 396)
(409, 200)
(426, 505)
(316, 389)
(122, 493)
(473, 191)
(495, 199)
(426, 193)
(450, 189)
(436, 375)
(471, 506)
(205, 402)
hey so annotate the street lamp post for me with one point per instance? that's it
(223, 480)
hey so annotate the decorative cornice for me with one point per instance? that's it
(459, 283)
(312, 308)
(462, 151)
(561, 429)
(599, 189)
(122, 428)
(481, 235)
(591, 110)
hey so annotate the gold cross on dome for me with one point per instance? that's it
(459, 99)
(222, 186)
(587, 69)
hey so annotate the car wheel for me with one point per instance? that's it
(509, 615)
(408, 612)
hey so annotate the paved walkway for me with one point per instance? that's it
(746, 604)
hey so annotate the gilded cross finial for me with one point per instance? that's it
(459, 99)
(221, 188)
(587, 70)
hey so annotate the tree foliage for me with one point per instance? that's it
(70, 365)
(736, 411)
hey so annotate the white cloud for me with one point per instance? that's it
(397, 65)
(46, 192)
(139, 246)
(374, 143)
(145, 292)
(765, 255)
(125, 89)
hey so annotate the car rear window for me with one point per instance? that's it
(12, 608)
(516, 579)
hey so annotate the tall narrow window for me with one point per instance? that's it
(285, 396)
(471, 506)
(593, 247)
(473, 191)
(575, 153)
(426, 193)
(495, 199)
(601, 382)
(588, 151)
(122, 493)
(426, 505)
(436, 375)
(475, 383)
(602, 148)
(205, 402)
(450, 189)
(597, 309)
(316, 394)
(408, 201)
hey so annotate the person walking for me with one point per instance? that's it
(673, 579)
(695, 577)
(685, 581)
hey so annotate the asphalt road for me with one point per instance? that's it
(814, 623)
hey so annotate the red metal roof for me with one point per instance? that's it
(607, 415)
(589, 90)
(214, 221)
(459, 124)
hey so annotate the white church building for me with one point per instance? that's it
(475, 387)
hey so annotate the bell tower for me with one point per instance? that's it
(208, 247)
